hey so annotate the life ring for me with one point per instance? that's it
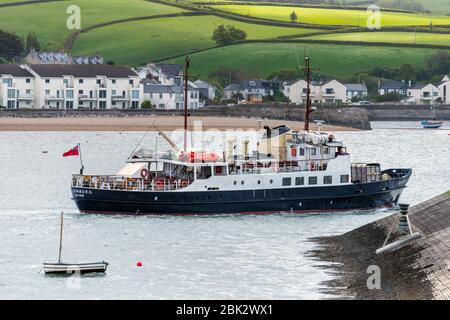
(184, 183)
(144, 173)
(159, 185)
(312, 166)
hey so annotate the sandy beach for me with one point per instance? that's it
(144, 123)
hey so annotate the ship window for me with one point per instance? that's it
(203, 172)
(302, 151)
(326, 150)
(242, 182)
(259, 181)
(271, 181)
(312, 180)
(328, 180)
(344, 178)
(234, 182)
(286, 182)
(313, 151)
(299, 181)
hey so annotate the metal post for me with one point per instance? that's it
(60, 236)
(81, 159)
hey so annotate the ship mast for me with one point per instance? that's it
(308, 93)
(185, 77)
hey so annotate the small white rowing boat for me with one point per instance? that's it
(70, 268)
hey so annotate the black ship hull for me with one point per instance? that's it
(359, 196)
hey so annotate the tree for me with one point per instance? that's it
(293, 16)
(226, 35)
(439, 63)
(32, 42)
(110, 62)
(146, 105)
(11, 46)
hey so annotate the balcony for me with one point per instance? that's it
(26, 97)
(84, 97)
(53, 98)
(119, 98)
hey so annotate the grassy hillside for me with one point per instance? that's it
(48, 19)
(159, 38)
(341, 61)
(333, 16)
(390, 37)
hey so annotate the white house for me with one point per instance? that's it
(356, 90)
(63, 86)
(328, 92)
(444, 88)
(164, 73)
(391, 86)
(17, 87)
(207, 91)
(422, 93)
(171, 96)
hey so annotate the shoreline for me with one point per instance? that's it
(145, 123)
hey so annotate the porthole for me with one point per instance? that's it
(271, 181)
(242, 182)
(259, 181)
(299, 204)
(156, 198)
(234, 182)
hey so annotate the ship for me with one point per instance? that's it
(289, 172)
(432, 124)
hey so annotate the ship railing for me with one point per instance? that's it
(128, 183)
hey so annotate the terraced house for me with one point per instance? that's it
(328, 92)
(17, 87)
(444, 88)
(61, 86)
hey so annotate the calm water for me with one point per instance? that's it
(226, 257)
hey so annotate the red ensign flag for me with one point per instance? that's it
(72, 152)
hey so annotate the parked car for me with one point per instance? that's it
(361, 103)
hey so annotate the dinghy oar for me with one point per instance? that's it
(403, 225)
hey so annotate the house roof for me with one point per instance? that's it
(393, 84)
(164, 88)
(82, 70)
(419, 86)
(256, 84)
(14, 70)
(203, 84)
(233, 87)
(170, 69)
(356, 86)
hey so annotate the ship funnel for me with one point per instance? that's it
(230, 147)
(404, 226)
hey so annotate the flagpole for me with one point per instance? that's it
(81, 159)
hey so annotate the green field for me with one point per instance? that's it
(333, 16)
(390, 37)
(48, 19)
(340, 61)
(159, 38)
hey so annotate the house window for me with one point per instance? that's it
(326, 150)
(131, 82)
(69, 104)
(113, 80)
(8, 82)
(113, 92)
(299, 181)
(102, 94)
(47, 80)
(134, 104)
(99, 81)
(286, 182)
(11, 104)
(102, 104)
(344, 178)
(47, 92)
(329, 91)
(80, 81)
(28, 80)
(328, 180)
(312, 180)
(80, 91)
(160, 95)
(28, 91)
(69, 94)
(135, 94)
(313, 151)
(11, 93)
(161, 106)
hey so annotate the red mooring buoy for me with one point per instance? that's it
(139, 264)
